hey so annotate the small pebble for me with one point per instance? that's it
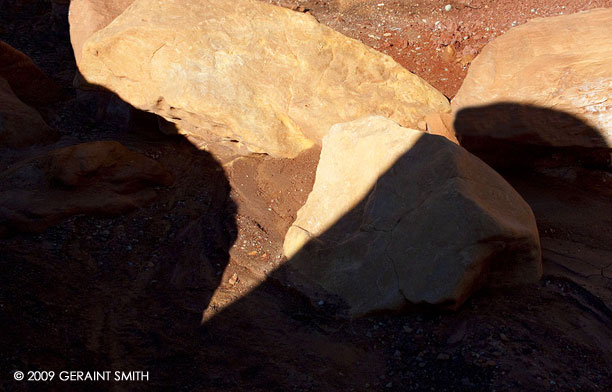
(448, 7)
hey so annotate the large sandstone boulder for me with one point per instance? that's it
(547, 83)
(20, 125)
(88, 16)
(28, 82)
(398, 216)
(249, 75)
(90, 178)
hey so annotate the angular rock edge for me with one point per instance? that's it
(469, 212)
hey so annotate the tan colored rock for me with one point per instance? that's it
(88, 16)
(91, 178)
(20, 125)
(441, 124)
(29, 83)
(398, 217)
(250, 75)
(560, 63)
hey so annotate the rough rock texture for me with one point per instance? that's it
(90, 178)
(28, 82)
(559, 63)
(20, 125)
(249, 75)
(88, 16)
(399, 216)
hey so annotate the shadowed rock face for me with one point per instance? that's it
(398, 216)
(20, 125)
(93, 178)
(561, 63)
(515, 135)
(28, 82)
(249, 75)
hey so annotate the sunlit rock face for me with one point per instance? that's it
(88, 16)
(247, 75)
(560, 63)
(398, 216)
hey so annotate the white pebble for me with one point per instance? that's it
(448, 7)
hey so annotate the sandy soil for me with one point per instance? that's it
(186, 287)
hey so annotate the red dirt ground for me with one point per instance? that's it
(416, 33)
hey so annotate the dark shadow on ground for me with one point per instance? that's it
(260, 358)
(110, 292)
(120, 292)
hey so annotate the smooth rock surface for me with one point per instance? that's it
(27, 81)
(254, 77)
(88, 16)
(559, 63)
(91, 178)
(20, 125)
(398, 217)
(441, 124)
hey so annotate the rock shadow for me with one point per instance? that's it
(119, 292)
(532, 136)
(127, 291)
(273, 329)
(101, 292)
(282, 336)
(568, 186)
(130, 295)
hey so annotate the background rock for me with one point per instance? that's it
(20, 125)
(90, 178)
(252, 76)
(560, 63)
(28, 82)
(398, 216)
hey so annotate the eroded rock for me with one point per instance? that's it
(20, 125)
(28, 82)
(251, 76)
(91, 178)
(398, 217)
